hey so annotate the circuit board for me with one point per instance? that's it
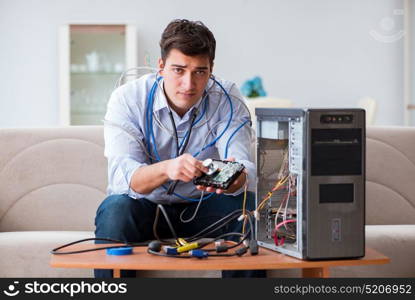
(225, 175)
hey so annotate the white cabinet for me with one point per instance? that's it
(92, 58)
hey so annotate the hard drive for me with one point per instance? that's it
(221, 173)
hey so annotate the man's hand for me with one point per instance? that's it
(236, 185)
(184, 168)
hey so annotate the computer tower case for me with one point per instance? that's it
(310, 197)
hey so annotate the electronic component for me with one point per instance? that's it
(212, 168)
(221, 173)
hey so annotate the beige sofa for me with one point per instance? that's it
(52, 180)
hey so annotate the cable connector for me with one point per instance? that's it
(198, 253)
(246, 243)
(221, 248)
(180, 242)
(170, 250)
(219, 242)
(241, 251)
(253, 247)
(256, 215)
(241, 217)
(187, 247)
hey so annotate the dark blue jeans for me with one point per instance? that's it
(123, 218)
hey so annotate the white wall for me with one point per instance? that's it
(317, 53)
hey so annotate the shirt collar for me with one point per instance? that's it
(160, 100)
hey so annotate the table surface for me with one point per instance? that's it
(141, 260)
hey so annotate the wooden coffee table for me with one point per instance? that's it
(266, 260)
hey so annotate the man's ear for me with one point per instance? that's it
(161, 66)
(211, 68)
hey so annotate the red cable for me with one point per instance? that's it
(275, 236)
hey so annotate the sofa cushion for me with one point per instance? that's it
(396, 242)
(28, 253)
(390, 166)
(51, 179)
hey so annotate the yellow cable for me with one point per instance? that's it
(180, 242)
(244, 203)
(188, 247)
(275, 188)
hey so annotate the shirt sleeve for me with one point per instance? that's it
(124, 145)
(238, 139)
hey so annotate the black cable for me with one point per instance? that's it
(186, 256)
(230, 216)
(173, 185)
(131, 244)
(124, 244)
(167, 255)
(168, 220)
(175, 132)
(186, 142)
(220, 237)
(222, 254)
(227, 219)
(156, 219)
(245, 236)
(227, 234)
(250, 231)
(226, 222)
(208, 230)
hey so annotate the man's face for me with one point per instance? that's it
(185, 78)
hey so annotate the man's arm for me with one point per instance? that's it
(128, 167)
(147, 178)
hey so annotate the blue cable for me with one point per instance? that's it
(149, 119)
(150, 106)
(190, 199)
(149, 101)
(233, 133)
(149, 131)
(149, 116)
(227, 125)
(197, 121)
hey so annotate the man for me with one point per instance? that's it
(145, 159)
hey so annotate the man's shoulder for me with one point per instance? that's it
(228, 85)
(130, 98)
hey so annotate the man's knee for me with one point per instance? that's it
(116, 206)
(114, 215)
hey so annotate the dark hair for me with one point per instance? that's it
(189, 37)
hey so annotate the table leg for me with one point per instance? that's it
(116, 273)
(316, 272)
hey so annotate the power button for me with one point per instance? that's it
(336, 229)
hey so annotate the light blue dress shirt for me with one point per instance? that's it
(125, 140)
